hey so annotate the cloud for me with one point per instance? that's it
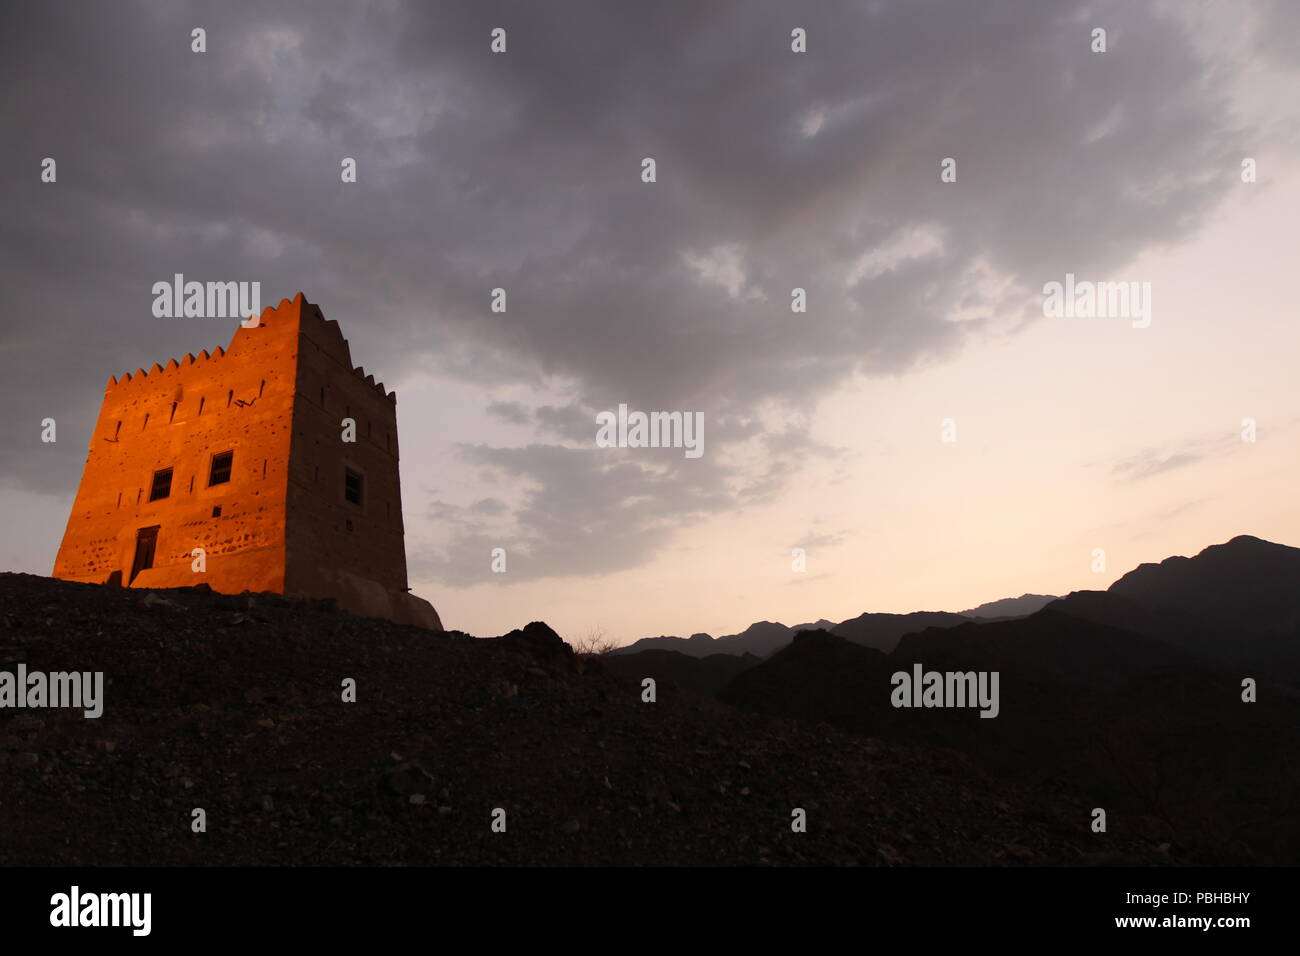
(512, 413)
(584, 511)
(814, 540)
(1156, 461)
(1151, 463)
(775, 170)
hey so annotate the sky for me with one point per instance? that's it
(924, 432)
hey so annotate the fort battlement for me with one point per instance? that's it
(241, 457)
(267, 318)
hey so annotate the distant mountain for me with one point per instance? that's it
(822, 625)
(697, 645)
(819, 677)
(1236, 603)
(1154, 734)
(1008, 608)
(882, 631)
(1246, 582)
(1132, 695)
(703, 675)
(1247, 586)
(760, 638)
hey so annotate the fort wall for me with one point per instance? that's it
(293, 509)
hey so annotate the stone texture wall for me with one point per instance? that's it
(275, 399)
(338, 548)
(238, 400)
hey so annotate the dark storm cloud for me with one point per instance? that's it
(522, 171)
(512, 413)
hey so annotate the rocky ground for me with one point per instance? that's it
(234, 705)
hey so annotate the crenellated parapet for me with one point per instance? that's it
(287, 313)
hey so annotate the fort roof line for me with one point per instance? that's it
(127, 378)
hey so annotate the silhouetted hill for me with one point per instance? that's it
(883, 631)
(819, 676)
(1008, 608)
(1245, 583)
(1236, 603)
(880, 631)
(233, 704)
(820, 625)
(702, 675)
(760, 639)
(697, 645)
(1150, 732)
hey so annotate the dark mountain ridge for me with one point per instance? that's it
(879, 630)
(1132, 695)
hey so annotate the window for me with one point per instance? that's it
(352, 486)
(216, 511)
(162, 484)
(220, 471)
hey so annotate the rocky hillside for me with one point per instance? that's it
(233, 705)
(1157, 735)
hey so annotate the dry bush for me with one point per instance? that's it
(592, 644)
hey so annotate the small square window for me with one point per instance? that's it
(216, 511)
(162, 484)
(353, 485)
(219, 474)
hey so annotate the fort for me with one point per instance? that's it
(241, 453)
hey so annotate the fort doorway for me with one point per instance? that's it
(146, 541)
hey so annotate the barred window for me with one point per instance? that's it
(219, 474)
(162, 484)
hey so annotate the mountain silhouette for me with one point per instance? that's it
(760, 639)
(1132, 695)
(1022, 606)
(1236, 603)
(703, 675)
(878, 630)
(883, 631)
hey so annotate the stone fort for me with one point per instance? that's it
(241, 454)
